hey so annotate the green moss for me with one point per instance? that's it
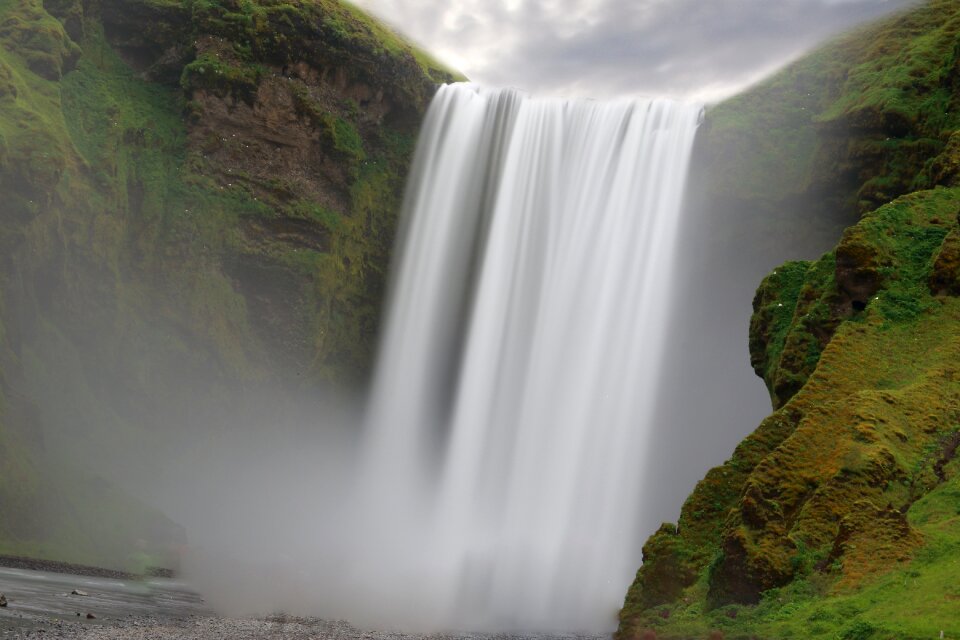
(210, 73)
(38, 39)
(795, 314)
(395, 44)
(914, 601)
(844, 130)
(340, 134)
(813, 536)
(276, 32)
(855, 346)
(906, 599)
(910, 231)
(900, 84)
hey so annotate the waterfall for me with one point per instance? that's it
(518, 370)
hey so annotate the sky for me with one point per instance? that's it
(696, 49)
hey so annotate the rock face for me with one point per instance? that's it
(820, 517)
(199, 199)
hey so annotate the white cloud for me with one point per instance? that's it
(704, 49)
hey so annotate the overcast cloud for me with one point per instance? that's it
(703, 49)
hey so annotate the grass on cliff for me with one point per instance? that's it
(114, 147)
(132, 141)
(900, 81)
(168, 203)
(915, 601)
(882, 598)
(792, 320)
(872, 435)
(398, 44)
(859, 121)
(261, 31)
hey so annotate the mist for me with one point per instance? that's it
(294, 513)
(321, 499)
(283, 507)
(492, 486)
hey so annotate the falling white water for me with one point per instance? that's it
(519, 367)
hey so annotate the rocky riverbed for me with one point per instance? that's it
(47, 604)
(52, 603)
(217, 628)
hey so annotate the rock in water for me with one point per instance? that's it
(3, 600)
(90, 616)
(77, 592)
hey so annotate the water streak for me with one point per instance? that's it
(518, 371)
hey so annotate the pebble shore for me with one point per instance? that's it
(50, 601)
(217, 628)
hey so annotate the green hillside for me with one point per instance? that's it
(838, 517)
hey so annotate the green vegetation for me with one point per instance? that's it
(199, 199)
(838, 517)
(383, 36)
(793, 320)
(274, 32)
(804, 522)
(846, 129)
(211, 73)
(71, 510)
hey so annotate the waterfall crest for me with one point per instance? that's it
(518, 368)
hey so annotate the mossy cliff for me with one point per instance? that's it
(198, 199)
(839, 516)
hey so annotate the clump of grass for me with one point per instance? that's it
(210, 73)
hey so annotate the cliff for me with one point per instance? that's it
(837, 517)
(199, 199)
